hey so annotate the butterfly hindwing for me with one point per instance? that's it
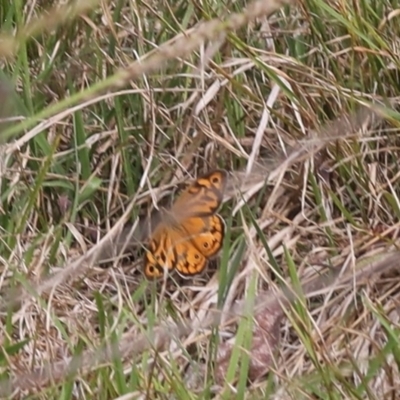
(190, 260)
(176, 251)
(159, 256)
(208, 233)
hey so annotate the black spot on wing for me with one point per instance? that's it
(154, 245)
(194, 189)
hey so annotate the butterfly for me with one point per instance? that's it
(190, 232)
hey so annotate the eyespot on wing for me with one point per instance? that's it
(216, 179)
(152, 270)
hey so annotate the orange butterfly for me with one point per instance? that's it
(191, 232)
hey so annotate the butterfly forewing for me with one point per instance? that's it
(203, 197)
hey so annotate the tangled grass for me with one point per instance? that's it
(116, 105)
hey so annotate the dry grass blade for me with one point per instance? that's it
(207, 31)
(180, 48)
(47, 22)
(16, 297)
(311, 209)
(183, 46)
(120, 239)
(344, 127)
(268, 314)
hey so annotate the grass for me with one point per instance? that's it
(117, 104)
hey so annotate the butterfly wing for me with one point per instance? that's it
(202, 197)
(172, 247)
(191, 232)
(190, 260)
(205, 233)
(159, 256)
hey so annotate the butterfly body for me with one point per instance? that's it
(191, 232)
